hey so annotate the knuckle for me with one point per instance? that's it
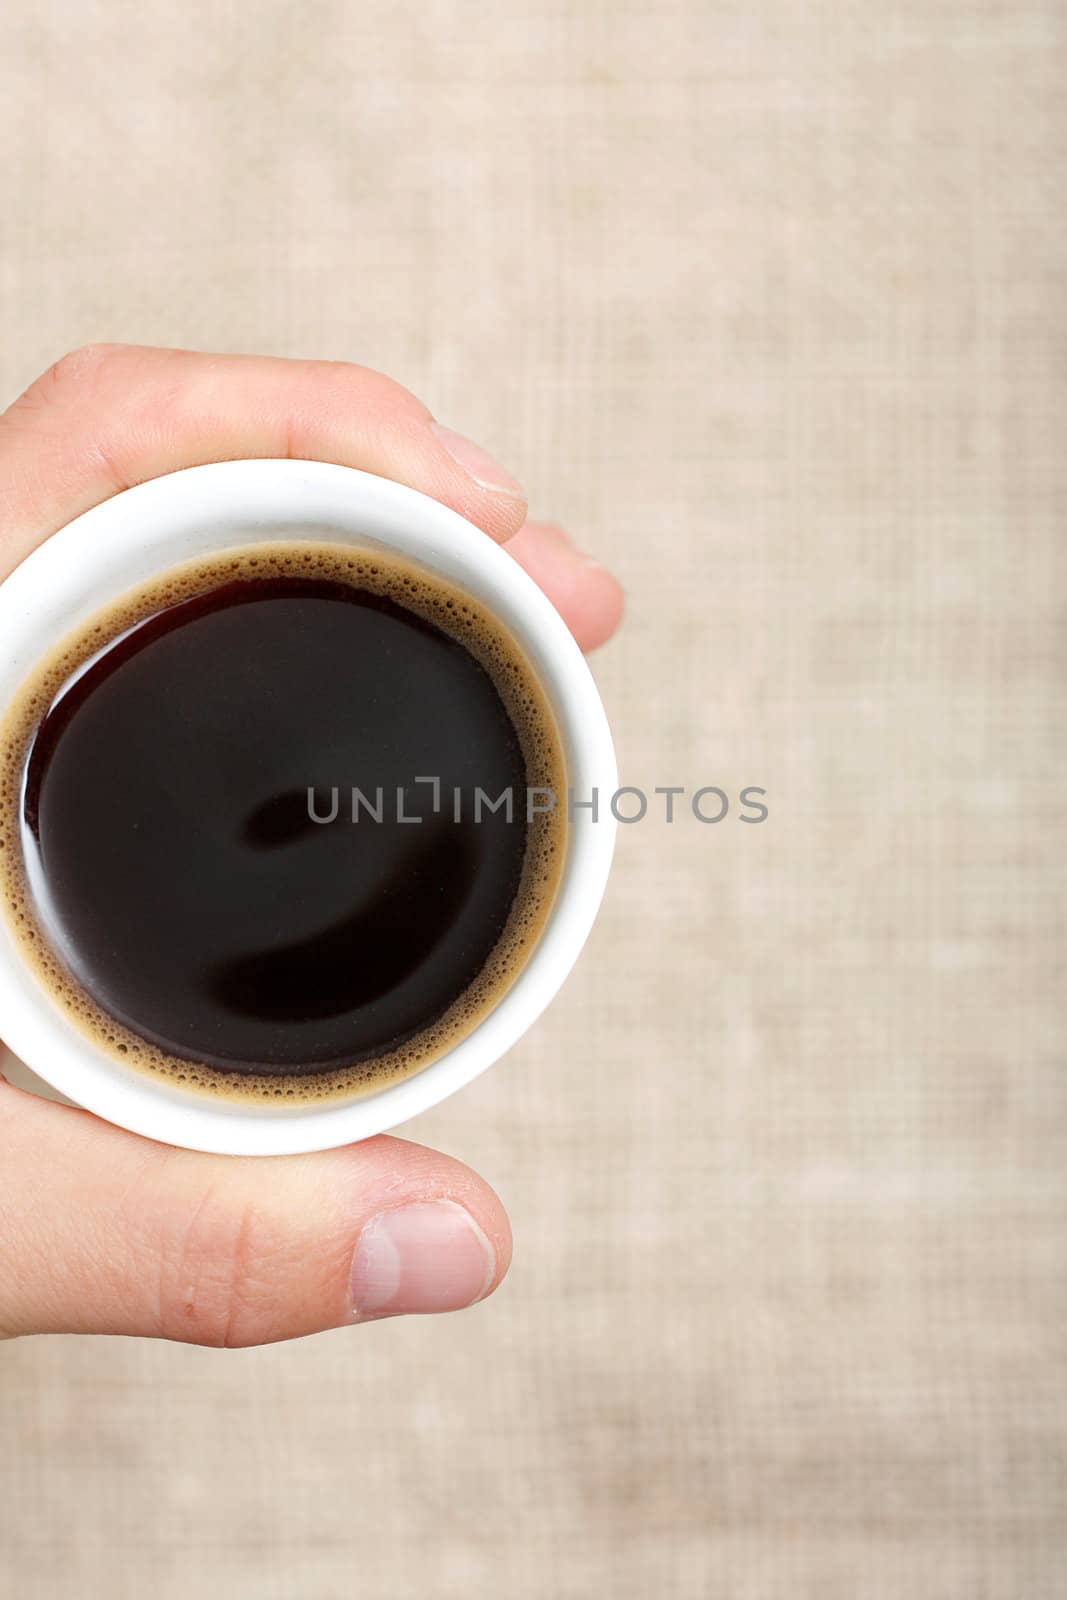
(376, 389)
(78, 372)
(215, 1286)
(88, 362)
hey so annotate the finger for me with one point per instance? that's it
(109, 416)
(104, 1232)
(587, 596)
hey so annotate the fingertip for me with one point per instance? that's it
(477, 462)
(432, 1235)
(600, 613)
(496, 1225)
(587, 596)
(419, 1258)
(474, 483)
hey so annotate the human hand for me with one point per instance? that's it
(105, 1232)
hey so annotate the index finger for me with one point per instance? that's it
(111, 415)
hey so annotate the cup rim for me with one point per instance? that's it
(160, 523)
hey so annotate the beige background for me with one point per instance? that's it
(765, 299)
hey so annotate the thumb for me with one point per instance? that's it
(105, 1232)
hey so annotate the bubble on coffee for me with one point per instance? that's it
(183, 861)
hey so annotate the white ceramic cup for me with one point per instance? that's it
(157, 525)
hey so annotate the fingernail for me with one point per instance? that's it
(427, 1256)
(478, 463)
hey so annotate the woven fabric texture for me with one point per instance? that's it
(765, 301)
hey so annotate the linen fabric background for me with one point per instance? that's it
(764, 299)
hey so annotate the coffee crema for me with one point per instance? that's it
(178, 857)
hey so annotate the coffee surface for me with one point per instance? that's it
(228, 867)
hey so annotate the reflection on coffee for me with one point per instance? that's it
(174, 863)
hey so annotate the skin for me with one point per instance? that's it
(105, 1232)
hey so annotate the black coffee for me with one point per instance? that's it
(221, 854)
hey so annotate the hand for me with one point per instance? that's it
(105, 1232)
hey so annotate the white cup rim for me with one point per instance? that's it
(158, 524)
